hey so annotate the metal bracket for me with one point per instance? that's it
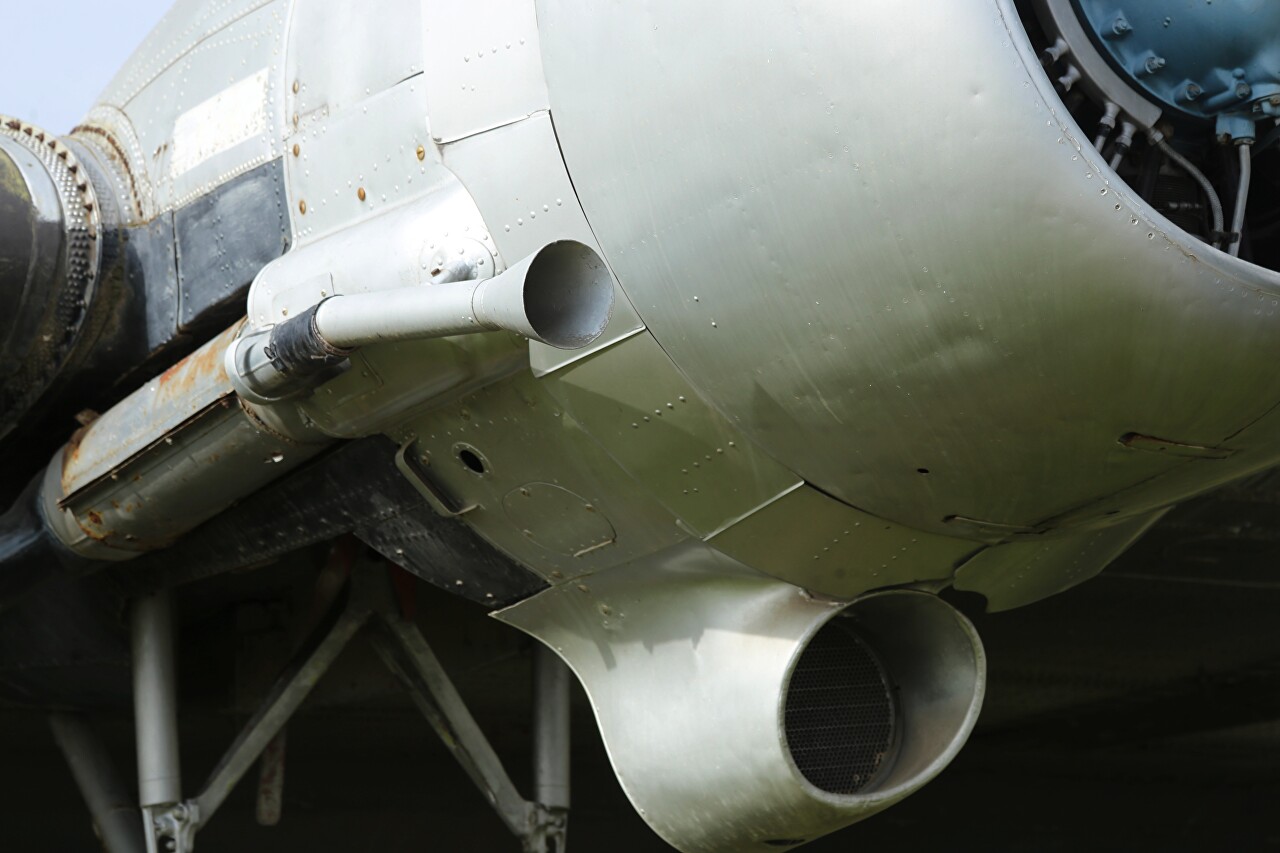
(541, 829)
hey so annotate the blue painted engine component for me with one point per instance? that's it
(1208, 59)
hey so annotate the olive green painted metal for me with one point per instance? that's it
(710, 646)
(819, 544)
(477, 455)
(634, 402)
(1017, 573)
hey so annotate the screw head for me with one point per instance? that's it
(360, 193)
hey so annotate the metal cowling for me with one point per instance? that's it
(49, 259)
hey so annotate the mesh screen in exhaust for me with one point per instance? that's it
(840, 714)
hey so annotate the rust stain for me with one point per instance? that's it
(94, 517)
(70, 454)
(190, 374)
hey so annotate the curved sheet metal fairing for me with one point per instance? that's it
(882, 247)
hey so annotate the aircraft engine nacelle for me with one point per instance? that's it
(741, 714)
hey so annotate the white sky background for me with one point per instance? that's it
(57, 56)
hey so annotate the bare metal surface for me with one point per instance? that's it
(686, 658)
(561, 295)
(286, 695)
(201, 101)
(143, 418)
(527, 206)
(480, 77)
(551, 734)
(155, 703)
(1003, 343)
(171, 455)
(407, 654)
(110, 802)
(402, 647)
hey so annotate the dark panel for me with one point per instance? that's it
(357, 488)
(224, 238)
(447, 553)
(66, 644)
(152, 264)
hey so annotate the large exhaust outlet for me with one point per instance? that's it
(742, 714)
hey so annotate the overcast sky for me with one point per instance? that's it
(56, 57)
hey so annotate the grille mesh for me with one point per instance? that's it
(840, 715)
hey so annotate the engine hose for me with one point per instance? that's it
(1187, 166)
(1242, 198)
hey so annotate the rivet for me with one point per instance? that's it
(296, 87)
(422, 153)
(297, 149)
(302, 206)
(360, 193)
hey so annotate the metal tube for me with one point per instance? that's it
(155, 707)
(110, 803)
(550, 729)
(1215, 206)
(405, 652)
(561, 295)
(1242, 198)
(404, 313)
(287, 694)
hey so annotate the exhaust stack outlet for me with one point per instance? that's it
(561, 295)
(744, 716)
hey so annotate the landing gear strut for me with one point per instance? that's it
(170, 822)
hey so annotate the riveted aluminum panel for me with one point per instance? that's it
(483, 65)
(867, 303)
(371, 147)
(389, 249)
(817, 543)
(1017, 573)
(341, 53)
(634, 402)
(112, 137)
(517, 178)
(499, 425)
(187, 24)
(209, 104)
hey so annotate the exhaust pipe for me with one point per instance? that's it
(561, 295)
(216, 426)
(742, 714)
